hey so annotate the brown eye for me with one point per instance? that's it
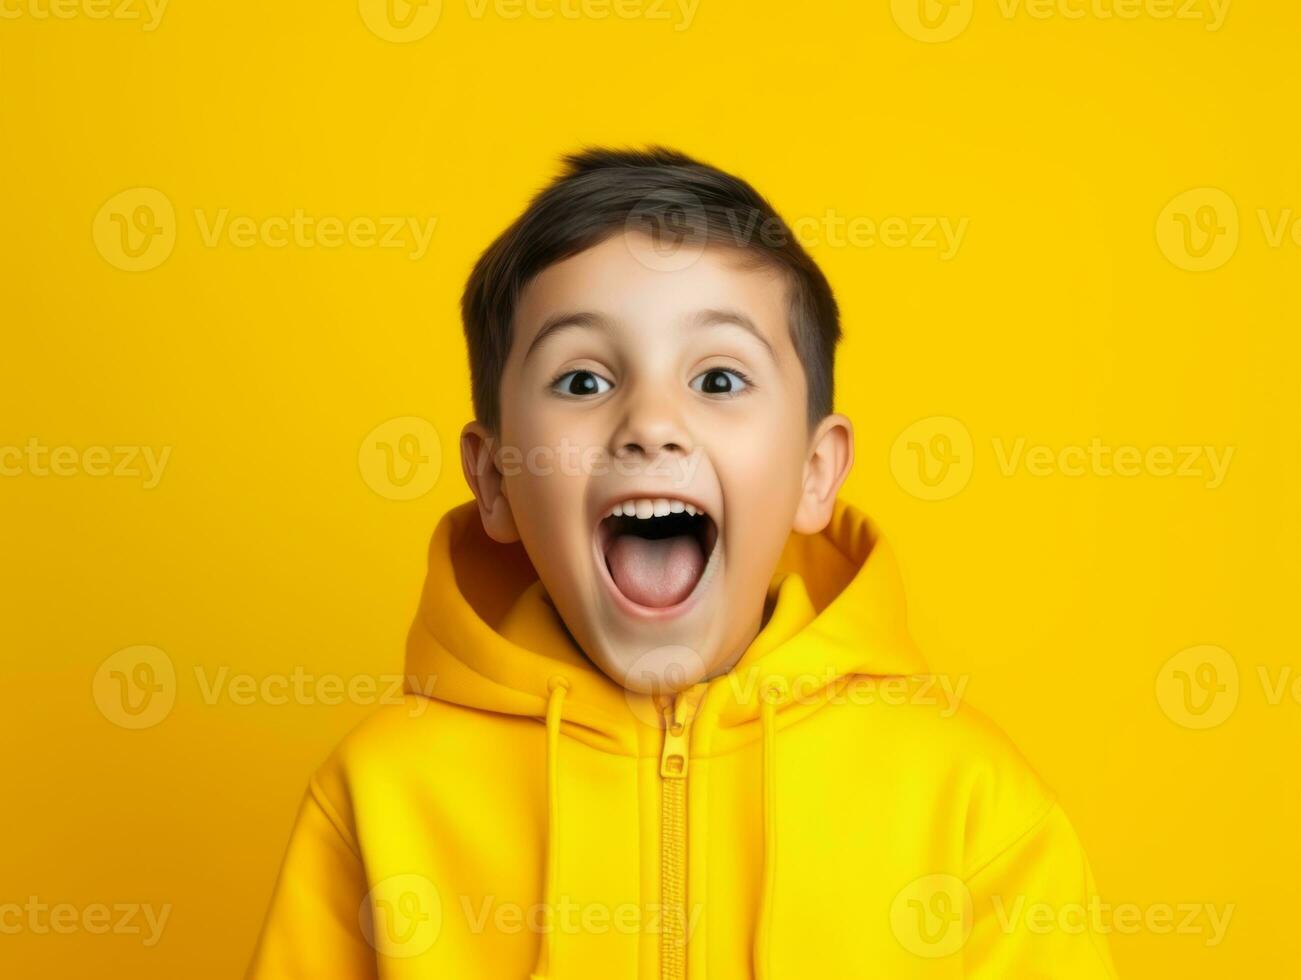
(580, 384)
(719, 382)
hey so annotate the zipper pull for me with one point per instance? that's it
(677, 729)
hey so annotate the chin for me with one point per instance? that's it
(654, 660)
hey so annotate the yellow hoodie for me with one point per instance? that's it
(824, 810)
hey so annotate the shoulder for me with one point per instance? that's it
(933, 743)
(1002, 796)
(383, 756)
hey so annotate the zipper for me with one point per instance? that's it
(673, 831)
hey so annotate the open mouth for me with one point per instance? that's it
(656, 550)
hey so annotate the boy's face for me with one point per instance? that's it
(655, 393)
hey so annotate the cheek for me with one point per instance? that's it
(548, 425)
(549, 463)
(761, 455)
(761, 468)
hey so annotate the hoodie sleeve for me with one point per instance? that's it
(1033, 909)
(312, 930)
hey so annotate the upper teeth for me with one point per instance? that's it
(646, 507)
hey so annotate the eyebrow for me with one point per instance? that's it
(565, 320)
(711, 317)
(557, 322)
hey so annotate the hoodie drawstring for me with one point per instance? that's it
(762, 933)
(557, 688)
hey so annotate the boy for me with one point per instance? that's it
(673, 723)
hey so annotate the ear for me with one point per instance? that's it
(483, 473)
(831, 454)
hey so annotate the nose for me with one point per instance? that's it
(650, 427)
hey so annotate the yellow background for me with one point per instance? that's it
(1067, 314)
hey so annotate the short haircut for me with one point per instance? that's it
(664, 194)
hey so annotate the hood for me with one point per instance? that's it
(493, 798)
(487, 637)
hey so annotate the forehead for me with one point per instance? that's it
(629, 280)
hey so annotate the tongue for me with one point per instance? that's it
(655, 572)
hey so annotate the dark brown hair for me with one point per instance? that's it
(667, 195)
